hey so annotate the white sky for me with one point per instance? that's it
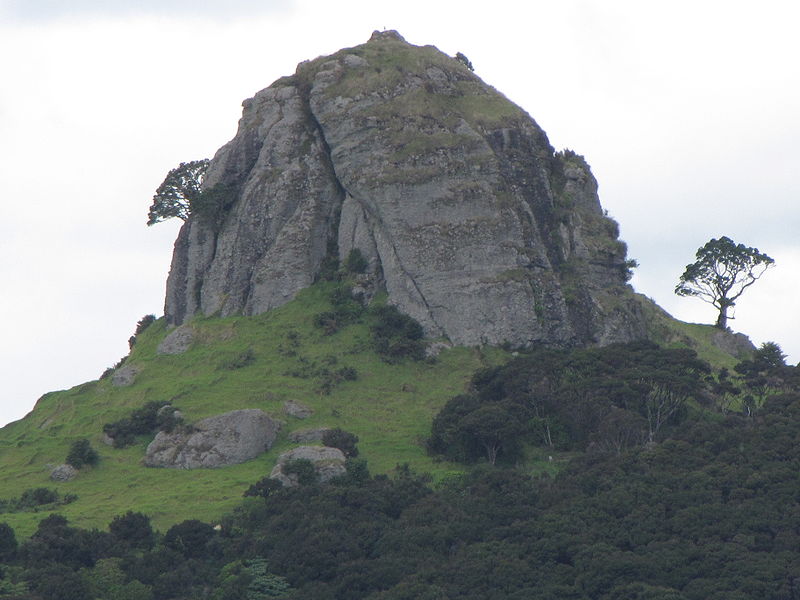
(686, 110)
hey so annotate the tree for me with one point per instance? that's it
(721, 274)
(81, 454)
(462, 58)
(134, 529)
(179, 190)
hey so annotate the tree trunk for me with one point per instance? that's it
(722, 319)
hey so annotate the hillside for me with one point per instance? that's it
(465, 217)
(389, 407)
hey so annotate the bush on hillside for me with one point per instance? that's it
(142, 421)
(81, 454)
(343, 440)
(395, 335)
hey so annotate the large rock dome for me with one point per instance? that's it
(467, 216)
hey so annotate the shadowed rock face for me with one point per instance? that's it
(468, 218)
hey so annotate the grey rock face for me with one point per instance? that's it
(735, 344)
(177, 342)
(218, 441)
(328, 463)
(63, 473)
(466, 215)
(125, 376)
(299, 411)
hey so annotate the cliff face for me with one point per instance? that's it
(468, 218)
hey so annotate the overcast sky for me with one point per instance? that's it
(686, 110)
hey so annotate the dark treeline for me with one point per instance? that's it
(708, 510)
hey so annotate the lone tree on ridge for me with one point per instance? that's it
(722, 272)
(179, 191)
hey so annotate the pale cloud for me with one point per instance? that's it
(49, 10)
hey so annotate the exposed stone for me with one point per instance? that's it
(63, 473)
(218, 441)
(177, 342)
(435, 349)
(125, 375)
(299, 411)
(304, 436)
(466, 215)
(328, 463)
(735, 344)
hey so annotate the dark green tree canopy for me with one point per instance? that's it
(722, 272)
(179, 190)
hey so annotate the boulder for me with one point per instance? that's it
(63, 473)
(297, 410)
(177, 342)
(218, 441)
(125, 376)
(328, 463)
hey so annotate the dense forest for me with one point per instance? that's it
(682, 484)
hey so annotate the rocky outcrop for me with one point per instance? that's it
(328, 463)
(218, 441)
(125, 376)
(177, 341)
(63, 473)
(735, 344)
(466, 215)
(295, 409)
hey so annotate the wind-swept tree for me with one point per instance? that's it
(178, 192)
(721, 274)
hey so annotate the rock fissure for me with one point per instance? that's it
(466, 215)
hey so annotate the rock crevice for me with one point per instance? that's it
(466, 215)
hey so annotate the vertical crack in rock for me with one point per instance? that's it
(464, 212)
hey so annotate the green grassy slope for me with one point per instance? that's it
(389, 407)
(709, 342)
(253, 362)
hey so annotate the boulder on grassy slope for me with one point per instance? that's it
(218, 441)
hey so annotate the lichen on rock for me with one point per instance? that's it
(466, 215)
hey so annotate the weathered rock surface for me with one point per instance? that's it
(469, 219)
(297, 410)
(177, 342)
(304, 436)
(328, 463)
(218, 441)
(125, 376)
(63, 473)
(735, 344)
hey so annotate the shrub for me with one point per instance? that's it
(346, 310)
(190, 538)
(238, 361)
(37, 497)
(81, 453)
(395, 335)
(343, 440)
(263, 488)
(134, 529)
(303, 469)
(141, 421)
(8, 542)
(355, 262)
